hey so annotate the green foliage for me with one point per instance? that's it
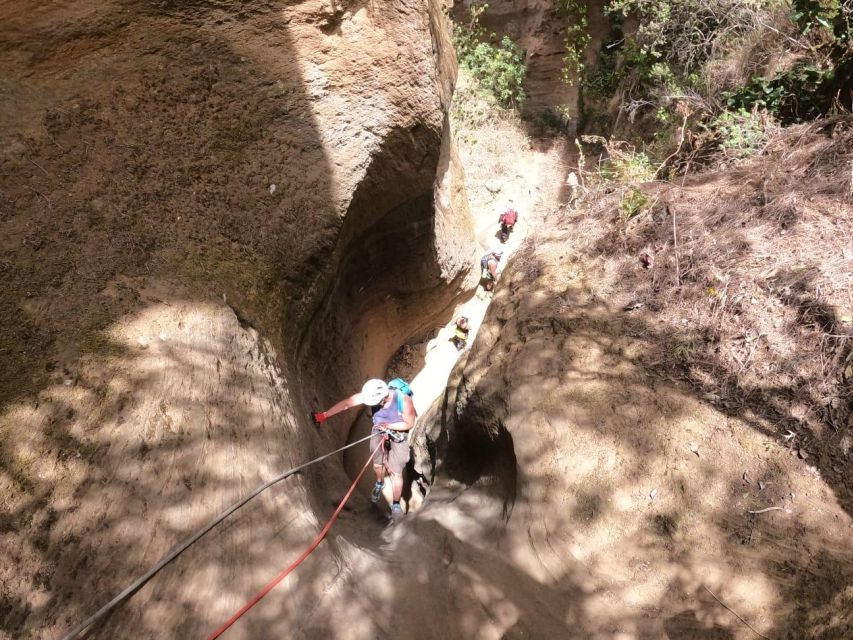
(665, 60)
(498, 67)
(632, 167)
(688, 63)
(811, 14)
(633, 203)
(623, 163)
(601, 81)
(467, 37)
(576, 39)
(741, 132)
(801, 93)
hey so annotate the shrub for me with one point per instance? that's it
(801, 93)
(741, 132)
(498, 67)
(576, 38)
(633, 167)
(623, 163)
(633, 203)
(678, 44)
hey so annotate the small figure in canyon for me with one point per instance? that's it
(393, 416)
(489, 266)
(460, 337)
(574, 188)
(507, 220)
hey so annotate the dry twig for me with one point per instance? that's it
(754, 630)
(765, 510)
(675, 251)
(36, 164)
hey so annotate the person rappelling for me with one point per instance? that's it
(489, 266)
(507, 221)
(393, 414)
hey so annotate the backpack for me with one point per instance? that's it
(484, 261)
(509, 217)
(398, 384)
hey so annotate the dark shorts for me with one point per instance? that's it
(394, 455)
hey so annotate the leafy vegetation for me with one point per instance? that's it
(683, 78)
(576, 38)
(741, 132)
(802, 93)
(497, 65)
(633, 203)
(621, 162)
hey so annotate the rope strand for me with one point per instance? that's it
(271, 585)
(138, 584)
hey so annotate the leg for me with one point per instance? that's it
(397, 459)
(397, 485)
(378, 466)
(379, 470)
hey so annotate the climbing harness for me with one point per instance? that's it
(391, 434)
(133, 588)
(271, 585)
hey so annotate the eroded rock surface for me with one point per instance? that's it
(182, 184)
(607, 496)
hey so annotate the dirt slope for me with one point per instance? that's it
(621, 448)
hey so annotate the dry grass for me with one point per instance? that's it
(772, 45)
(754, 304)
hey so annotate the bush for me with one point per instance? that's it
(498, 67)
(802, 93)
(741, 132)
(633, 167)
(678, 43)
(623, 163)
(633, 203)
(576, 37)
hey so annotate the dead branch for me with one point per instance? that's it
(754, 630)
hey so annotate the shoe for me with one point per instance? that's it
(396, 510)
(377, 492)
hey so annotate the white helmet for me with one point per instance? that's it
(373, 392)
(498, 251)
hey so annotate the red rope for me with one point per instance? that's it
(251, 603)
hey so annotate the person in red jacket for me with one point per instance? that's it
(508, 219)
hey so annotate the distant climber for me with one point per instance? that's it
(393, 415)
(507, 220)
(460, 337)
(489, 266)
(573, 187)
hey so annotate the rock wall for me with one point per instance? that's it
(606, 494)
(539, 27)
(182, 183)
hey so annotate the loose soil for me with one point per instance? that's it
(599, 448)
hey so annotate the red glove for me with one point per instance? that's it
(318, 418)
